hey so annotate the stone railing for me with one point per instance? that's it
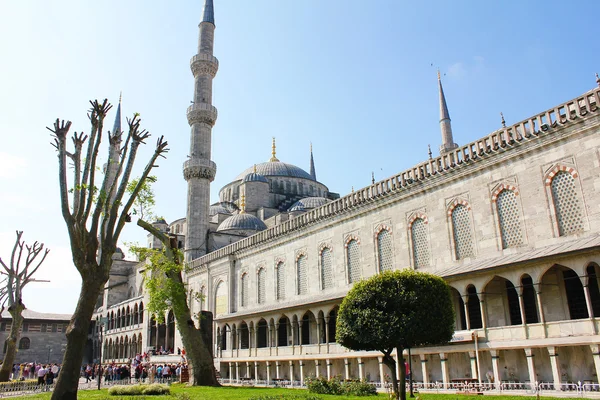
(497, 142)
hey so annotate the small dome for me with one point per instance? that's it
(255, 177)
(242, 222)
(308, 203)
(218, 209)
(160, 221)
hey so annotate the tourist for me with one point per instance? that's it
(41, 373)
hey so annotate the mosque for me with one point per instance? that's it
(509, 220)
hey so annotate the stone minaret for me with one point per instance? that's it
(445, 125)
(313, 174)
(199, 171)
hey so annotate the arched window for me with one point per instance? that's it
(384, 250)
(566, 203)
(326, 269)
(420, 243)
(244, 291)
(280, 280)
(24, 343)
(302, 275)
(220, 299)
(141, 311)
(461, 230)
(261, 295)
(353, 261)
(508, 219)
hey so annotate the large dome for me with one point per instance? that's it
(242, 222)
(276, 168)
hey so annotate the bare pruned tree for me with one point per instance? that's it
(24, 262)
(95, 214)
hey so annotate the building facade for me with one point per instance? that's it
(510, 221)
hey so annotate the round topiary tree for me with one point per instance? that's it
(396, 310)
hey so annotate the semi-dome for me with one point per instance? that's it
(255, 177)
(218, 209)
(242, 221)
(276, 168)
(308, 203)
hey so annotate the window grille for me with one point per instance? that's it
(566, 203)
(280, 281)
(302, 275)
(353, 261)
(326, 269)
(244, 291)
(420, 243)
(508, 217)
(24, 343)
(261, 286)
(461, 226)
(384, 250)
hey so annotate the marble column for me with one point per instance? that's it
(588, 303)
(319, 334)
(473, 359)
(424, 368)
(277, 339)
(347, 368)
(496, 367)
(483, 312)
(237, 371)
(328, 368)
(291, 371)
(255, 371)
(361, 369)
(231, 372)
(538, 296)
(301, 372)
(381, 374)
(248, 375)
(317, 368)
(555, 366)
(327, 333)
(531, 367)
(445, 371)
(277, 369)
(268, 373)
(466, 306)
(596, 356)
(300, 323)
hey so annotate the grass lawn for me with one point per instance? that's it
(244, 393)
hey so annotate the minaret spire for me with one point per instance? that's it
(199, 171)
(117, 125)
(273, 152)
(313, 174)
(445, 125)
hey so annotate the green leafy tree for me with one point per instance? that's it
(95, 211)
(166, 288)
(396, 310)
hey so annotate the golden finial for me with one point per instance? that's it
(273, 152)
(254, 168)
(243, 204)
(429, 151)
(352, 189)
(503, 121)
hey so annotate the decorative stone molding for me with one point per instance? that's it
(300, 253)
(204, 64)
(503, 186)
(199, 169)
(202, 113)
(382, 227)
(323, 246)
(349, 238)
(415, 216)
(556, 169)
(455, 203)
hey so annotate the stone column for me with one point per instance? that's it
(277, 339)
(277, 366)
(327, 333)
(445, 372)
(596, 355)
(231, 372)
(346, 368)
(256, 372)
(496, 367)
(588, 303)
(291, 371)
(328, 361)
(361, 369)
(255, 341)
(300, 323)
(424, 368)
(381, 374)
(483, 312)
(293, 326)
(473, 359)
(531, 367)
(317, 368)
(248, 375)
(466, 306)
(237, 372)
(522, 309)
(555, 366)
(301, 372)
(268, 373)
(538, 296)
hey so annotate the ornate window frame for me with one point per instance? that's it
(260, 267)
(347, 240)
(548, 178)
(277, 262)
(411, 246)
(300, 253)
(450, 209)
(323, 246)
(378, 229)
(496, 190)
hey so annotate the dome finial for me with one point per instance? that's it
(597, 79)
(273, 152)
(503, 121)
(254, 168)
(243, 204)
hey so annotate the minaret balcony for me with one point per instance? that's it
(202, 113)
(199, 168)
(204, 64)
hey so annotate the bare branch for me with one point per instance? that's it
(60, 133)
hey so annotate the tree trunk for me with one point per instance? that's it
(391, 364)
(402, 369)
(77, 336)
(16, 312)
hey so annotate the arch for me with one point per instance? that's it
(280, 277)
(24, 343)
(559, 168)
(123, 317)
(474, 308)
(460, 322)
(308, 328)
(353, 259)
(301, 274)
(126, 348)
(262, 333)
(141, 311)
(593, 273)
(136, 316)
(244, 289)
(244, 335)
(502, 303)
(223, 339)
(420, 241)
(462, 232)
(332, 315)
(568, 209)
(127, 317)
(220, 299)
(118, 318)
(501, 187)
(529, 299)
(383, 240)
(326, 264)
(261, 289)
(509, 217)
(562, 291)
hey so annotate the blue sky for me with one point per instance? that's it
(353, 77)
